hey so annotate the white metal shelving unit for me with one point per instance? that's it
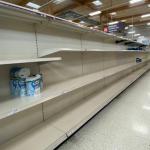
(12, 105)
(69, 121)
(34, 60)
(75, 62)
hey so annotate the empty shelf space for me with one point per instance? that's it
(52, 132)
(11, 105)
(42, 137)
(33, 60)
(74, 117)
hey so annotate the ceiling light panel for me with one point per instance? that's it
(145, 16)
(131, 25)
(131, 32)
(135, 35)
(58, 1)
(33, 5)
(135, 1)
(113, 13)
(97, 3)
(94, 13)
(112, 23)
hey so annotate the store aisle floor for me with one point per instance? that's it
(123, 125)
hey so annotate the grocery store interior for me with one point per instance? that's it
(75, 75)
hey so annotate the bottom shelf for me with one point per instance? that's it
(42, 137)
(54, 131)
(74, 117)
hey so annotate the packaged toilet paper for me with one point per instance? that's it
(18, 87)
(18, 72)
(14, 87)
(22, 87)
(23, 73)
(23, 84)
(13, 72)
(33, 85)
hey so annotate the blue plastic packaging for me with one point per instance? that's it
(33, 85)
(14, 87)
(22, 87)
(13, 72)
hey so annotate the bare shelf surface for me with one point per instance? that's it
(74, 117)
(11, 105)
(32, 60)
(55, 130)
(42, 137)
(90, 50)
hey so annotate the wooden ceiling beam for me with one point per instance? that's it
(23, 2)
(83, 2)
(124, 7)
(76, 4)
(127, 17)
(106, 13)
(72, 6)
(139, 22)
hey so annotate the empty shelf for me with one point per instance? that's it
(11, 105)
(34, 60)
(42, 137)
(51, 133)
(77, 115)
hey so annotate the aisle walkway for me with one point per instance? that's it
(122, 125)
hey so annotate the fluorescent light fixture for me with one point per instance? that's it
(113, 13)
(58, 1)
(131, 32)
(123, 20)
(137, 35)
(94, 13)
(97, 3)
(146, 15)
(35, 6)
(148, 24)
(131, 25)
(126, 28)
(95, 27)
(112, 23)
(82, 22)
(135, 1)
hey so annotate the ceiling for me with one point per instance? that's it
(78, 10)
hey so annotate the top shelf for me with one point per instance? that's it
(22, 13)
(129, 42)
(34, 60)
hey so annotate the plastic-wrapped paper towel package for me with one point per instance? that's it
(23, 84)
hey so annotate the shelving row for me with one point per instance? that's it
(11, 105)
(90, 59)
(52, 132)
